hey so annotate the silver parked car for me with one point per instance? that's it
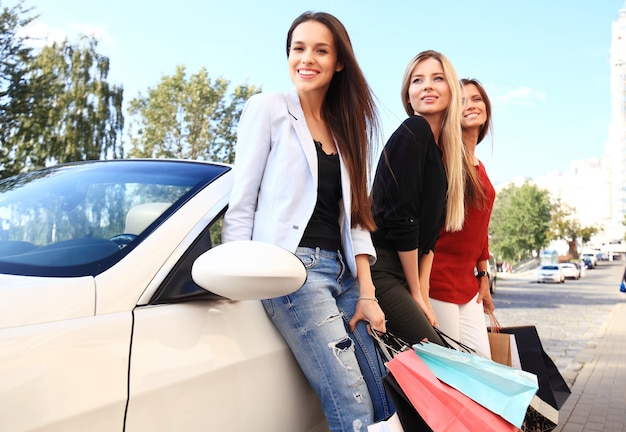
(120, 311)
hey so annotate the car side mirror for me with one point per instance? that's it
(248, 270)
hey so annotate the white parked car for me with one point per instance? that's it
(550, 273)
(119, 312)
(570, 270)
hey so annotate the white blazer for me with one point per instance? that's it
(275, 186)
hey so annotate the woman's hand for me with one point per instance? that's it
(484, 295)
(427, 309)
(368, 309)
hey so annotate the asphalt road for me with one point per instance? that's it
(568, 316)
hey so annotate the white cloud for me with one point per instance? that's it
(41, 34)
(523, 96)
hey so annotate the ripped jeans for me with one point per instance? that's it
(340, 365)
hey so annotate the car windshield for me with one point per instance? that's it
(81, 218)
(550, 267)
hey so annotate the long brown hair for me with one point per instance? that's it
(474, 193)
(488, 125)
(351, 114)
(450, 140)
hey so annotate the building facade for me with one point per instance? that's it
(615, 150)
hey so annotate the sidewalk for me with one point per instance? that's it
(598, 399)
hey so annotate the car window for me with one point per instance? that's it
(178, 286)
(80, 219)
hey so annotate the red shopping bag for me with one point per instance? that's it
(442, 407)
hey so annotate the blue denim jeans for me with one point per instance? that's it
(342, 366)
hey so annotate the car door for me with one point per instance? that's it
(203, 363)
(61, 368)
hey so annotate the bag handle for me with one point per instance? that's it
(458, 346)
(388, 345)
(495, 325)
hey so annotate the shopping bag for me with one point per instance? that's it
(515, 360)
(504, 390)
(442, 407)
(410, 419)
(540, 417)
(500, 345)
(622, 286)
(387, 347)
(552, 387)
(391, 424)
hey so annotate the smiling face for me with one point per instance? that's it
(312, 57)
(474, 109)
(429, 92)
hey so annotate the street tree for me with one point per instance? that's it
(520, 221)
(76, 114)
(58, 103)
(15, 55)
(565, 226)
(187, 117)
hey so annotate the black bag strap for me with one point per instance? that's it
(456, 345)
(388, 345)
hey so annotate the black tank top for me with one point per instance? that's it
(323, 228)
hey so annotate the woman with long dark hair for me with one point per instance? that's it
(301, 176)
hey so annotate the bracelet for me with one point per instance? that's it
(368, 298)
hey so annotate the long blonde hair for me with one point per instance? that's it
(450, 138)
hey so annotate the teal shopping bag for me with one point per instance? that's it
(501, 389)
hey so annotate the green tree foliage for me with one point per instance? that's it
(520, 221)
(14, 87)
(565, 226)
(75, 114)
(190, 118)
(56, 104)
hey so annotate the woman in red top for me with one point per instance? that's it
(459, 282)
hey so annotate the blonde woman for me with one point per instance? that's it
(418, 190)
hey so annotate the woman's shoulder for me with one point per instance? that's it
(271, 103)
(415, 128)
(417, 123)
(267, 98)
(287, 99)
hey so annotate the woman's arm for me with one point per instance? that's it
(253, 146)
(367, 307)
(409, 262)
(484, 294)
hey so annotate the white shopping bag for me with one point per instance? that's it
(515, 361)
(391, 424)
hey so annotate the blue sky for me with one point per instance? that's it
(545, 63)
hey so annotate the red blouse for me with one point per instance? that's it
(452, 277)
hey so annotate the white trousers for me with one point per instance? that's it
(465, 323)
